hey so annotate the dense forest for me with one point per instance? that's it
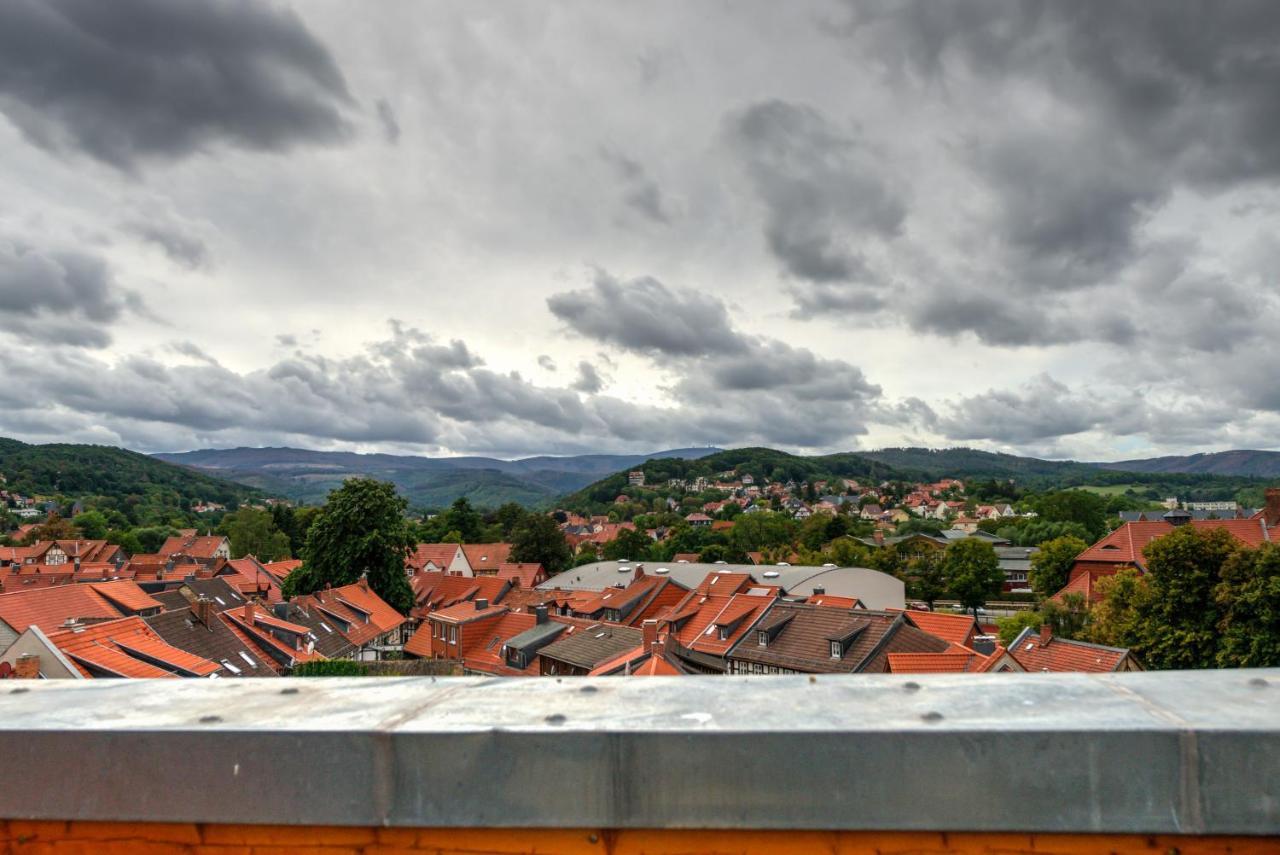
(141, 488)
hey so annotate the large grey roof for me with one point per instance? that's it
(876, 590)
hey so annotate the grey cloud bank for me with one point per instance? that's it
(1016, 225)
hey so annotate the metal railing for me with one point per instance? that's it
(1149, 753)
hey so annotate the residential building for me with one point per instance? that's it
(1041, 651)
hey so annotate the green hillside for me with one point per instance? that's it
(760, 463)
(137, 485)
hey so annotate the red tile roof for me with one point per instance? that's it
(1125, 545)
(958, 629)
(126, 595)
(128, 648)
(49, 608)
(1061, 654)
(196, 546)
(433, 591)
(281, 569)
(834, 602)
(526, 574)
(486, 556)
(367, 615)
(439, 554)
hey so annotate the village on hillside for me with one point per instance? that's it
(731, 575)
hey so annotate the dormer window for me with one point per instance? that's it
(837, 650)
(762, 639)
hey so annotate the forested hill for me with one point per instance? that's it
(760, 463)
(924, 464)
(427, 482)
(73, 471)
(1257, 464)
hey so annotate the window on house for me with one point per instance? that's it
(762, 639)
(453, 635)
(836, 650)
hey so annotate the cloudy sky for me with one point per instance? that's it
(442, 228)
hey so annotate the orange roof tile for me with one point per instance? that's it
(1061, 654)
(128, 648)
(486, 556)
(49, 608)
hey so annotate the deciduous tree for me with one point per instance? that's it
(361, 530)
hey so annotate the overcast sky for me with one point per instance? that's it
(469, 227)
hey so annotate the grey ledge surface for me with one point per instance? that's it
(1173, 752)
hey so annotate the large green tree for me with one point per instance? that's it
(1052, 564)
(972, 571)
(360, 530)
(537, 539)
(1248, 598)
(925, 576)
(92, 524)
(1178, 622)
(253, 532)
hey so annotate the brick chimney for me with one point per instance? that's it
(248, 613)
(364, 581)
(540, 614)
(27, 667)
(1046, 633)
(202, 609)
(650, 630)
(1271, 511)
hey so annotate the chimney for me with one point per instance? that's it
(1271, 512)
(364, 581)
(818, 590)
(281, 610)
(482, 604)
(1046, 633)
(27, 667)
(202, 608)
(540, 614)
(248, 613)
(650, 630)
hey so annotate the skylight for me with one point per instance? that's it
(249, 659)
(233, 669)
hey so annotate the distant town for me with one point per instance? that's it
(735, 572)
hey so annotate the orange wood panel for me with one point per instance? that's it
(111, 838)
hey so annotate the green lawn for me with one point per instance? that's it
(1112, 489)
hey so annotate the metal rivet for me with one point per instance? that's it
(588, 689)
(555, 718)
(593, 838)
(931, 717)
(292, 690)
(1258, 683)
(210, 719)
(19, 690)
(912, 686)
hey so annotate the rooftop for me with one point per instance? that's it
(1142, 753)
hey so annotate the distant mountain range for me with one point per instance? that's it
(308, 476)
(1256, 464)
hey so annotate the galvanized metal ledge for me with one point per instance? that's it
(1173, 752)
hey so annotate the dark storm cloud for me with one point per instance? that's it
(1042, 409)
(132, 80)
(823, 191)
(181, 248)
(589, 379)
(65, 297)
(646, 316)
(726, 382)
(390, 125)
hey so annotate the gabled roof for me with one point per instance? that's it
(434, 591)
(282, 568)
(589, 646)
(486, 556)
(219, 592)
(128, 648)
(467, 611)
(1062, 654)
(803, 642)
(49, 608)
(956, 628)
(439, 554)
(370, 617)
(526, 574)
(1125, 545)
(215, 642)
(196, 546)
(251, 578)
